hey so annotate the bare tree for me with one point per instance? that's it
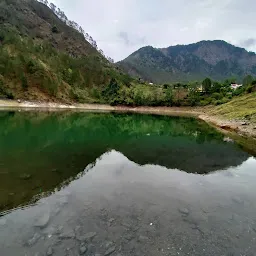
(53, 7)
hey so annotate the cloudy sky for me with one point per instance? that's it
(122, 26)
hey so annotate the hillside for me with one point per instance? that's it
(243, 107)
(44, 56)
(215, 59)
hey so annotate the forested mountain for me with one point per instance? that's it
(43, 55)
(215, 59)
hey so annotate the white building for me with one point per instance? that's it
(235, 86)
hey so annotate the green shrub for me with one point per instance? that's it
(218, 102)
(216, 96)
(24, 82)
(1, 37)
(206, 101)
(224, 100)
(229, 96)
(166, 86)
(203, 102)
(2, 91)
(50, 86)
(238, 91)
(249, 89)
(55, 29)
(9, 95)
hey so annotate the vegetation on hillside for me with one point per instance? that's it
(44, 56)
(35, 70)
(243, 107)
(215, 59)
(202, 93)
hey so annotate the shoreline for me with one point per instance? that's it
(238, 127)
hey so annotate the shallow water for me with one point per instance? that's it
(118, 184)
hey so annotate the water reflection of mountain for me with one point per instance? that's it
(184, 154)
(38, 151)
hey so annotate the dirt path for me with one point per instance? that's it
(238, 126)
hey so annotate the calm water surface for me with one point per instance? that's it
(119, 184)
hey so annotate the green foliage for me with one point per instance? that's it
(55, 29)
(216, 87)
(4, 92)
(207, 84)
(169, 97)
(110, 93)
(216, 96)
(166, 86)
(239, 91)
(31, 67)
(24, 82)
(249, 89)
(247, 80)
(205, 102)
(56, 74)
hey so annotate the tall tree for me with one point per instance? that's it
(247, 80)
(207, 84)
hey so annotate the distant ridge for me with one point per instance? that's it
(215, 59)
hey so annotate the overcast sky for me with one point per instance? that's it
(122, 26)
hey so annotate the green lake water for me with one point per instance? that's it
(122, 184)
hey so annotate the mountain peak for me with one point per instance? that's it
(217, 59)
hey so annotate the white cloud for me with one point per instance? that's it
(184, 29)
(121, 27)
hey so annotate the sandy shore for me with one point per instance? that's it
(239, 127)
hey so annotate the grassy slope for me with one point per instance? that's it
(239, 108)
(39, 64)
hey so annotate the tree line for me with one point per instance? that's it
(197, 93)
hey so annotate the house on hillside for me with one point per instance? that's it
(150, 83)
(235, 86)
(198, 88)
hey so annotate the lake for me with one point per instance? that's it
(80, 183)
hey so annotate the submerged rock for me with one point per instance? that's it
(67, 235)
(34, 239)
(237, 200)
(63, 200)
(82, 249)
(43, 221)
(90, 235)
(184, 211)
(49, 251)
(87, 236)
(109, 244)
(128, 237)
(143, 239)
(110, 251)
(110, 221)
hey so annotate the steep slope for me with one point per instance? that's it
(243, 107)
(41, 57)
(216, 59)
